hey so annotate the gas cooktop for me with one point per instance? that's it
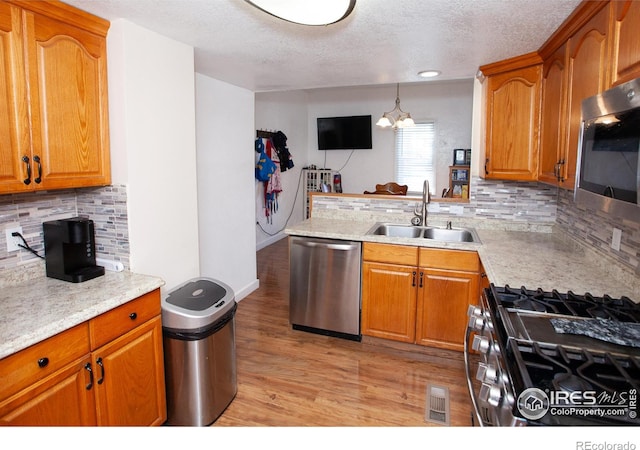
(552, 358)
(621, 309)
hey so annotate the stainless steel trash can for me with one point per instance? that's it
(198, 328)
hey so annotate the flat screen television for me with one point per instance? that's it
(344, 133)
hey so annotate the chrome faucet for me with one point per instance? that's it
(420, 210)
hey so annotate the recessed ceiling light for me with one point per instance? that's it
(429, 73)
(310, 12)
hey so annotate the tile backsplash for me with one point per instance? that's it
(520, 205)
(106, 206)
(511, 205)
(595, 228)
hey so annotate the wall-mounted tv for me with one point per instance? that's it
(344, 133)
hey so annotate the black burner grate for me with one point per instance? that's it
(556, 368)
(621, 309)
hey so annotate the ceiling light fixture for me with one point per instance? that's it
(316, 12)
(429, 73)
(396, 118)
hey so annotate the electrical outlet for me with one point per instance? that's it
(13, 241)
(615, 239)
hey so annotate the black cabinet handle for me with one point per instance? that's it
(88, 368)
(43, 362)
(421, 278)
(486, 172)
(99, 362)
(413, 279)
(27, 180)
(133, 316)
(38, 179)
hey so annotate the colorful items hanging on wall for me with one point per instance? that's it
(274, 158)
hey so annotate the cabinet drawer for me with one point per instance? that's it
(123, 319)
(24, 368)
(390, 253)
(449, 259)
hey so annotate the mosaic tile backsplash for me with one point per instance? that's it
(530, 206)
(106, 206)
(595, 228)
(513, 205)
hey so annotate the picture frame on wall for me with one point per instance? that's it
(459, 157)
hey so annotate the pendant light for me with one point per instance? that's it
(396, 118)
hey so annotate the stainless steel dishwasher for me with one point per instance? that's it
(324, 286)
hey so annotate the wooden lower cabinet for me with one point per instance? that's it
(64, 398)
(389, 301)
(425, 303)
(442, 307)
(130, 378)
(119, 383)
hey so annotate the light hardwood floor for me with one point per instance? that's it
(294, 378)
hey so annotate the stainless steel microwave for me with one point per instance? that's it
(608, 172)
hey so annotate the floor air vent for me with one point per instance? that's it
(437, 410)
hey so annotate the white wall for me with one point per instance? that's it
(286, 112)
(448, 103)
(225, 172)
(153, 149)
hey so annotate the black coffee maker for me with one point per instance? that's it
(70, 250)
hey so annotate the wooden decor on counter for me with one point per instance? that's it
(390, 189)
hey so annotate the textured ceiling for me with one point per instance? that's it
(382, 42)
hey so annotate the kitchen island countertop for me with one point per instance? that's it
(39, 307)
(518, 258)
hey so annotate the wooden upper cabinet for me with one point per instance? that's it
(513, 121)
(588, 75)
(553, 143)
(66, 79)
(14, 129)
(625, 54)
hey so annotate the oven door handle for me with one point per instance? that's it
(467, 367)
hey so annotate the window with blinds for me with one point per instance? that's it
(414, 156)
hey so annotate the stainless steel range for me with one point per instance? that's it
(549, 358)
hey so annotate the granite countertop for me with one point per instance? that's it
(37, 308)
(545, 260)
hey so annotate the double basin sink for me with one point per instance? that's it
(425, 232)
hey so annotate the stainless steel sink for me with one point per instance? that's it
(416, 232)
(393, 230)
(450, 235)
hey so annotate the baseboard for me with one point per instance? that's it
(245, 291)
(270, 240)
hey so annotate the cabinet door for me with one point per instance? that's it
(14, 125)
(625, 53)
(67, 77)
(64, 398)
(554, 99)
(129, 371)
(588, 76)
(513, 115)
(442, 307)
(389, 301)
